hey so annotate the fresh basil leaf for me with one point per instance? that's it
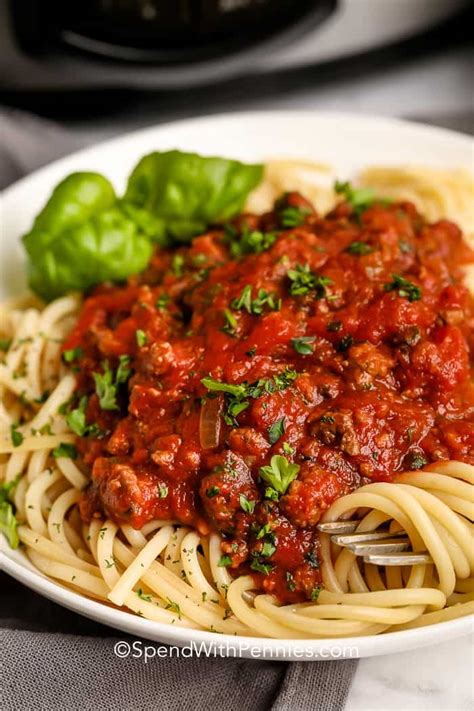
(106, 246)
(188, 191)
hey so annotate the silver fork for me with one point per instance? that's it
(377, 547)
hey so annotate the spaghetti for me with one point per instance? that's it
(172, 573)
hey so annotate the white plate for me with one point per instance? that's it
(349, 143)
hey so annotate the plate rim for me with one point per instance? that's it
(122, 620)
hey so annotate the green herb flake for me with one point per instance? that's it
(171, 605)
(245, 504)
(177, 264)
(264, 531)
(142, 595)
(224, 561)
(271, 493)
(359, 249)
(404, 288)
(16, 437)
(315, 593)
(65, 450)
(106, 390)
(218, 386)
(162, 302)
(304, 344)
(276, 431)
(72, 354)
(280, 473)
(212, 491)
(163, 491)
(141, 337)
(250, 242)
(123, 371)
(230, 325)
(358, 198)
(259, 567)
(303, 280)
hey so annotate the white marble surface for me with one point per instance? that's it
(440, 678)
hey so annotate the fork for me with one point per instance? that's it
(376, 547)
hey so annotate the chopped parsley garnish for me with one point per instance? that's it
(276, 431)
(163, 491)
(290, 216)
(66, 450)
(162, 302)
(315, 593)
(264, 531)
(8, 522)
(140, 337)
(212, 491)
(236, 395)
(279, 474)
(303, 280)
(359, 248)
(405, 289)
(106, 390)
(177, 264)
(230, 325)
(76, 420)
(171, 605)
(251, 242)
(358, 198)
(268, 549)
(264, 568)
(224, 561)
(213, 385)
(255, 306)
(123, 371)
(16, 437)
(72, 354)
(288, 449)
(142, 596)
(245, 504)
(334, 326)
(304, 344)
(271, 493)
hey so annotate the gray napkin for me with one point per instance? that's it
(54, 659)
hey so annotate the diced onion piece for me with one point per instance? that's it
(210, 421)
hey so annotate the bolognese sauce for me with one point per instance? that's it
(246, 380)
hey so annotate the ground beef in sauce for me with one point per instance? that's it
(353, 336)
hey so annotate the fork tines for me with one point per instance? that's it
(376, 547)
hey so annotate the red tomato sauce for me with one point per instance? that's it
(381, 382)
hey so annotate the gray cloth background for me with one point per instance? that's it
(54, 659)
